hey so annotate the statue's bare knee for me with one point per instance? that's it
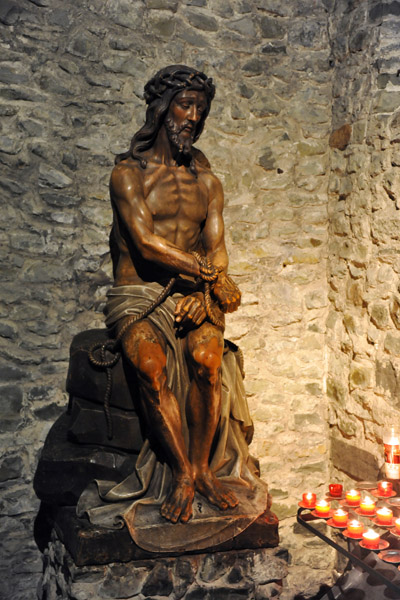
(206, 366)
(151, 366)
(141, 345)
(205, 351)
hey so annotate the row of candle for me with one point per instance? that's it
(355, 529)
(384, 516)
(384, 489)
(367, 507)
(371, 538)
(353, 498)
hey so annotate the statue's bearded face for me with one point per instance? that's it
(184, 114)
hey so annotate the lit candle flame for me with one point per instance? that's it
(394, 439)
(384, 511)
(371, 534)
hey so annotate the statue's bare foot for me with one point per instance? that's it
(178, 504)
(215, 492)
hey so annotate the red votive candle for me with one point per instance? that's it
(309, 499)
(355, 528)
(371, 539)
(385, 488)
(367, 506)
(340, 517)
(384, 516)
(322, 508)
(397, 525)
(353, 498)
(335, 489)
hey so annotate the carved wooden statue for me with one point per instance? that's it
(194, 484)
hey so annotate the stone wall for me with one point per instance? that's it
(364, 196)
(71, 82)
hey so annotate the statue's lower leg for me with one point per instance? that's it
(163, 414)
(163, 418)
(203, 413)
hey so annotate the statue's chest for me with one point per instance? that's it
(173, 193)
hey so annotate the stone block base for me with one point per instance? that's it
(236, 574)
(89, 544)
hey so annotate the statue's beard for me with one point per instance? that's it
(183, 144)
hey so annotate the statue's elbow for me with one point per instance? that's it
(146, 250)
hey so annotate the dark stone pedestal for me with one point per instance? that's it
(65, 468)
(90, 545)
(231, 575)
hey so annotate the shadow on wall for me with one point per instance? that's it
(356, 584)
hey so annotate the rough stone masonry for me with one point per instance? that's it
(304, 134)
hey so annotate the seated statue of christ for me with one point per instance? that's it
(168, 227)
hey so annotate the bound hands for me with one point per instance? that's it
(195, 308)
(190, 310)
(227, 293)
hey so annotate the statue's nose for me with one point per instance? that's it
(194, 114)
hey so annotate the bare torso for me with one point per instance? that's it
(178, 202)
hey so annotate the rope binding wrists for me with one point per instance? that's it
(205, 262)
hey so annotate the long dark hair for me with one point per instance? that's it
(158, 93)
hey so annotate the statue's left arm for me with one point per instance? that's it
(225, 290)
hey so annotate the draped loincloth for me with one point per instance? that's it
(136, 500)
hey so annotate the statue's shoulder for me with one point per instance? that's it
(204, 167)
(124, 173)
(201, 159)
(205, 173)
(127, 166)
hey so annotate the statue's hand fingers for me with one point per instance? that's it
(195, 311)
(229, 302)
(199, 315)
(238, 296)
(182, 308)
(235, 302)
(180, 316)
(179, 309)
(189, 312)
(230, 307)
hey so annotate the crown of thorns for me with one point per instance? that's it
(177, 80)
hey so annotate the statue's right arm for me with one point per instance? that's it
(126, 188)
